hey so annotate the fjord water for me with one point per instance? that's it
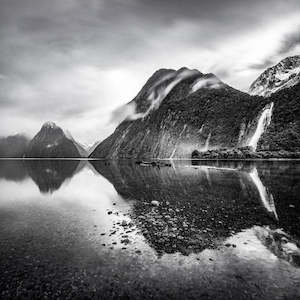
(114, 229)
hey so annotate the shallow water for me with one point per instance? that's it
(220, 230)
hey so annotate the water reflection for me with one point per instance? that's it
(190, 206)
(48, 175)
(199, 206)
(109, 228)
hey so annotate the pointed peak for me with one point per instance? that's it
(50, 128)
(50, 124)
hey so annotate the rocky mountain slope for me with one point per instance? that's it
(283, 75)
(51, 141)
(283, 132)
(13, 146)
(177, 112)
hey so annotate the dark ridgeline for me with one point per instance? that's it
(50, 142)
(199, 207)
(13, 146)
(177, 112)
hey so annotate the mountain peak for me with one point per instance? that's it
(283, 75)
(52, 141)
(50, 125)
(163, 82)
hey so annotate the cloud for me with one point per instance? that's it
(209, 83)
(290, 41)
(77, 61)
(261, 65)
(123, 112)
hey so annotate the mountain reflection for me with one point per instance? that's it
(48, 175)
(191, 205)
(13, 170)
(203, 203)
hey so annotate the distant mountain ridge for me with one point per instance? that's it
(13, 146)
(52, 142)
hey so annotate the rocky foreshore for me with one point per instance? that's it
(244, 153)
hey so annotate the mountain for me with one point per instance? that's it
(92, 147)
(177, 112)
(283, 132)
(283, 75)
(184, 112)
(51, 141)
(277, 133)
(13, 146)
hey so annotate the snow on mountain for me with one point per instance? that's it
(283, 75)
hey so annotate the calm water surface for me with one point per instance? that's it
(90, 230)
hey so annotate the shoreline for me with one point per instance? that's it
(150, 159)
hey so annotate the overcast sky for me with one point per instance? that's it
(75, 61)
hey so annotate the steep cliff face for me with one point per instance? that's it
(283, 75)
(51, 141)
(179, 111)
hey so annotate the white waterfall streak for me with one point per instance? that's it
(263, 122)
(175, 148)
(266, 197)
(206, 146)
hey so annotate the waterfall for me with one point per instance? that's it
(207, 143)
(263, 122)
(265, 197)
(175, 147)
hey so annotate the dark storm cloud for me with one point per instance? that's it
(68, 59)
(290, 42)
